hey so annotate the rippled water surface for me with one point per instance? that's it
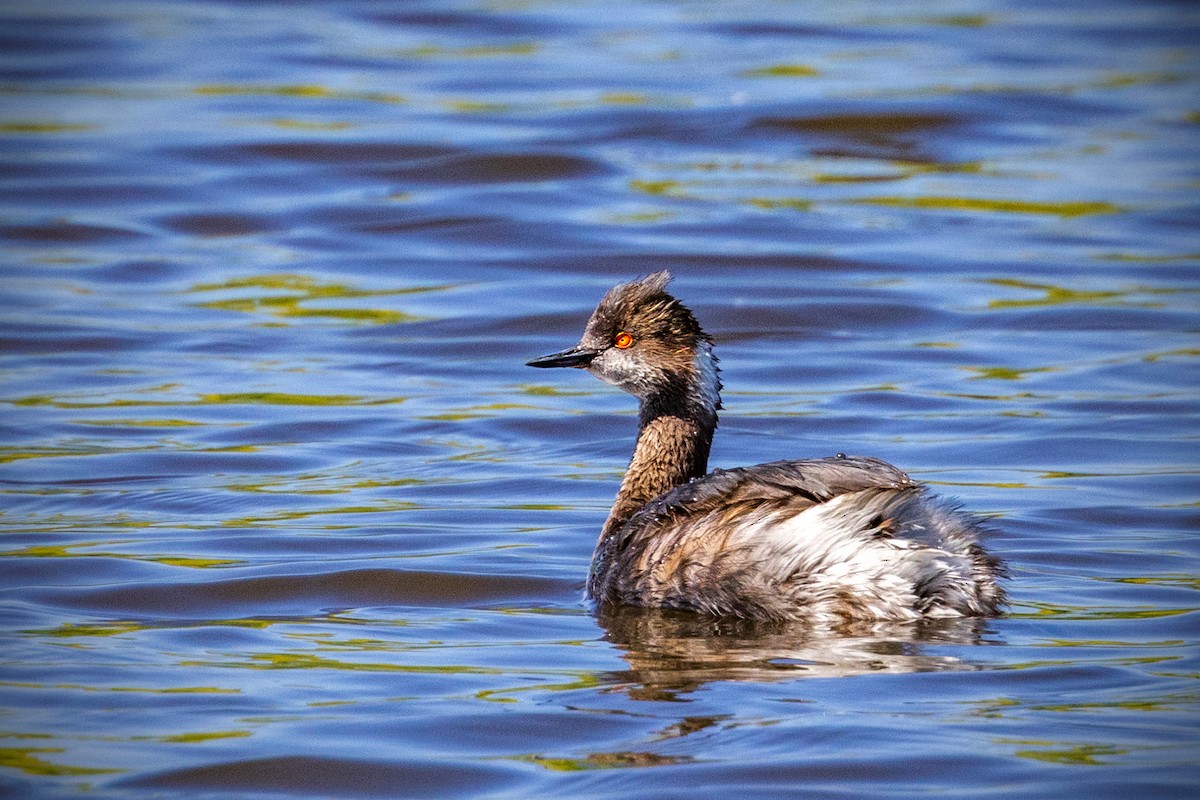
(284, 512)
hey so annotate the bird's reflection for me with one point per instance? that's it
(672, 653)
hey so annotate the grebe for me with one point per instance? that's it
(826, 540)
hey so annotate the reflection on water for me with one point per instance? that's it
(281, 511)
(671, 653)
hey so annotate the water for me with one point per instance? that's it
(284, 512)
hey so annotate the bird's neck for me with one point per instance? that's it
(675, 431)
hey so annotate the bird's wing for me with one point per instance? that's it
(707, 519)
(791, 482)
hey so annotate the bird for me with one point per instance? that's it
(823, 540)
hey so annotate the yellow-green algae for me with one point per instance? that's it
(638, 217)
(26, 759)
(301, 484)
(471, 51)
(1180, 581)
(1053, 295)
(1044, 610)
(387, 506)
(66, 551)
(139, 423)
(624, 99)
(477, 106)
(193, 738)
(782, 71)
(794, 203)
(1169, 703)
(307, 91)
(281, 399)
(1062, 209)
(122, 689)
(595, 761)
(481, 411)
(70, 630)
(30, 127)
(272, 661)
(581, 680)
(667, 188)
(961, 20)
(234, 398)
(118, 627)
(290, 123)
(1006, 373)
(1069, 754)
(284, 295)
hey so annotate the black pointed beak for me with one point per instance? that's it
(575, 357)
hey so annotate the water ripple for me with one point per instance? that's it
(283, 511)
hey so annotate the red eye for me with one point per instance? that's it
(623, 340)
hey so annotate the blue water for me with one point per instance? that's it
(283, 513)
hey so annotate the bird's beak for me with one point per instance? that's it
(574, 357)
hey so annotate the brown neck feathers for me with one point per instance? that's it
(670, 451)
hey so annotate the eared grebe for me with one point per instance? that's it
(829, 539)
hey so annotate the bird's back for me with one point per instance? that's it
(825, 539)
